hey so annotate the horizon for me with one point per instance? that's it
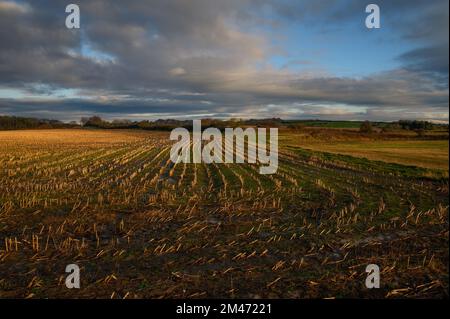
(225, 59)
(225, 119)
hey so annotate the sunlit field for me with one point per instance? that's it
(431, 154)
(141, 227)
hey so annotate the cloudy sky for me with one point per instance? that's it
(149, 59)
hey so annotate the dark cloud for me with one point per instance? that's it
(432, 60)
(174, 57)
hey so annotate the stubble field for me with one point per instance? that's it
(141, 227)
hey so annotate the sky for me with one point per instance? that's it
(292, 59)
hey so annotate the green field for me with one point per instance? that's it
(423, 153)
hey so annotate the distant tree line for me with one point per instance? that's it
(170, 124)
(411, 125)
(415, 125)
(21, 123)
(17, 123)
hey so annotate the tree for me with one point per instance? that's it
(366, 127)
(94, 121)
(415, 125)
(19, 123)
(122, 122)
(84, 120)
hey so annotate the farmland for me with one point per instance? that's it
(432, 154)
(141, 227)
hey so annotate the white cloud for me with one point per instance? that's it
(177, 71)
(14, 7)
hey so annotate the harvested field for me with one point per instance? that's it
(139, 226)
